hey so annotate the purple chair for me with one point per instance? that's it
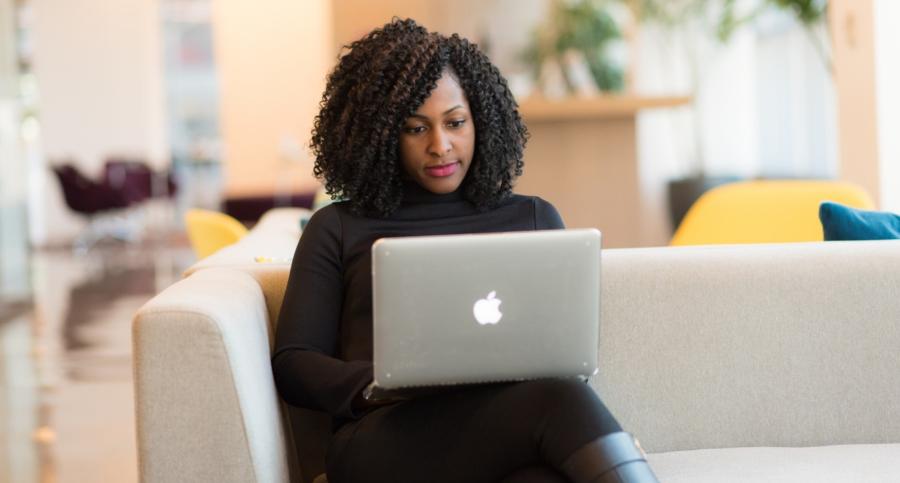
(103, 205)
(85, 196)
(137, 180)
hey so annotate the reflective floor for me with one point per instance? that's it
(66, 397)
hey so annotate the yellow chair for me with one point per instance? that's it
(764, 212)
(209, 231)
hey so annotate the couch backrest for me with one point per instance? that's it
(753, 345)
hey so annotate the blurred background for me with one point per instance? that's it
(117, 117)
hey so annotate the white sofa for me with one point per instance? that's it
(750, 363)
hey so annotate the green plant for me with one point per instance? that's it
(670, 13)
(584, 26)
(675, 13)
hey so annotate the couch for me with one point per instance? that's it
(730, 363)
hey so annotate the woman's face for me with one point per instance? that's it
(438, 140)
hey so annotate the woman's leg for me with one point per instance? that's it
(613, 458)
(482, 433)
(536, 474)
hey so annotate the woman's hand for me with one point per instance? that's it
(365, 399)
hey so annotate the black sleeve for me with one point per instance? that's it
(546, 217)
(306, 372)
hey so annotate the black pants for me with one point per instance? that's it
(500, 432)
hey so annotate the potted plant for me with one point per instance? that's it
(572, 53)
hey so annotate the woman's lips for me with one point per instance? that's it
(442, 170)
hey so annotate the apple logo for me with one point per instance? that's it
(487, 310)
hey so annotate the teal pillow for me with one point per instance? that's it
(840, 222)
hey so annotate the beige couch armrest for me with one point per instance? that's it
(205, 401)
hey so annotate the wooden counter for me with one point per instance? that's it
(582, 157)
(537, 109)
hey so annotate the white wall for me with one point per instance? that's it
(501, 27)
(352, 19)
(796, 101)
(272, 58)
(98, 67)
(887, 84)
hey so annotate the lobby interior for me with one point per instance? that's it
(212, 103)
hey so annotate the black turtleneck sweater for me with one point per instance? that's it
(323, 343)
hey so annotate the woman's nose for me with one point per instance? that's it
(439, 143)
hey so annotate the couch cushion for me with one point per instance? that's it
(875, 463)
(840, 222)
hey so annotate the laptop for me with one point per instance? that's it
(481, 308)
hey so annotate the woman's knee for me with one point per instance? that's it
(568, 391)
(574, 412)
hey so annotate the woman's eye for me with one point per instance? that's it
(456, 123)
(415, 129)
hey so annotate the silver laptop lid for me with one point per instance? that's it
(485, 307)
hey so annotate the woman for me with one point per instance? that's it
(420, 135)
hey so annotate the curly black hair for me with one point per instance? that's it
(378, 83)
